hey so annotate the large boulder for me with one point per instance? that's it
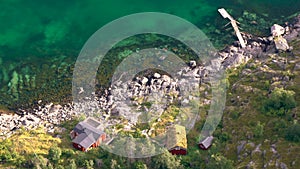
(277, 30)
(281, 43)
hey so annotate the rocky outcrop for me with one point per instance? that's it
(48, 115)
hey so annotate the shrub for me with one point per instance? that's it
(279, 102)
(139, 165)
(218, 161)
(293, 133)
(67, 153)
(166, 160)
(54, 154)
(89, 164)
(235, 115)
(258, 130)
(224, 137)
(279, 125)
(72, 164)
(266, 85)
(5, 154)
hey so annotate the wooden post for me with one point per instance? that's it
(233, 22)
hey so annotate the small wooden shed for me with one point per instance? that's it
(206, 143)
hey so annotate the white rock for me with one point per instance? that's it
(156, 75)
(277, 30)
(81, 90)
(166, 78)
(144, 80)
(193, 63)
(281, 43)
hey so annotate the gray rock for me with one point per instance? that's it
(297, 25)
(235, 60)
(283, 165)
(233, 49)
(24, 122)
(286, 78)
(250, 164)
(273, 150)
(270, 38)
(223, 55)
(281, 64)
(292, 35)
(297, 66)
(257, 149)
(246, 72)
(240, 147)
(166, 78)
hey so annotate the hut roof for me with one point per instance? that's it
(84, 140)
(92, 122)
(88, 131)
(207, 141)
(176, 136)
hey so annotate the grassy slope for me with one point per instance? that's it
(246, 93)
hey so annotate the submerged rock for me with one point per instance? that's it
(13, 85)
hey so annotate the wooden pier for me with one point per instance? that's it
(233, 22)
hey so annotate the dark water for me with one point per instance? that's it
(40, 34)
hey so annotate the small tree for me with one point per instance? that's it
(279, 125)
(54, 154)
(258, 130)
(40, 162)
(60, 167)
(5, 154)
(279, 102)
(218, 161)
(89, 164)
(114, 164)
(72, 164)
(166, 161)
(140, 165)
(67, 153)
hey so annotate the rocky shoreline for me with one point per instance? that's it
(51, 115)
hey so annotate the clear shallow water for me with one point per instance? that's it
(41, 32)
(28, 25)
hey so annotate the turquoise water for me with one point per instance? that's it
(40, 34)
(29, 25)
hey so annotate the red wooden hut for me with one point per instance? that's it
(87, 134)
